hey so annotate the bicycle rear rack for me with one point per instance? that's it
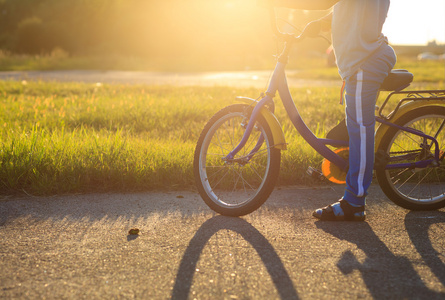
(425, 95)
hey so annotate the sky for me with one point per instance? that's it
(415, 22)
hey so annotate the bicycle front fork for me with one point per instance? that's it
(256, 111)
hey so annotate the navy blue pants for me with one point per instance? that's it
(361, 94)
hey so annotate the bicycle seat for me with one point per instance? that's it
(397, 80)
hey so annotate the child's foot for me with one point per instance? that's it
(340, 211)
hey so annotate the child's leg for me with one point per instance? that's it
(361, 95)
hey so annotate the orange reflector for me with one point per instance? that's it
(331, 171)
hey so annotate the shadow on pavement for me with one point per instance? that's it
(383, 272)
(265, 250)
(417, 225)
(102, 207)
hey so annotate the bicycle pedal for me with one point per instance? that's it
(315, 173)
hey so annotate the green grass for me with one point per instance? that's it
(68, 138)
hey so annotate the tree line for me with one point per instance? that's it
(195, 30)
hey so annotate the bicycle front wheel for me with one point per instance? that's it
(239, 186)
(415, 188)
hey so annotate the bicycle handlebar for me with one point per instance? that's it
(276, 31)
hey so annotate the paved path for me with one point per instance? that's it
(256, 79)
(78, 247)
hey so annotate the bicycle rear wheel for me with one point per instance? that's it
(422, 188)
(239, 186)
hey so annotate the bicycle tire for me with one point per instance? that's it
(414, 189)
(235, 188)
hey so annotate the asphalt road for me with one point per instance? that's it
(78, 247)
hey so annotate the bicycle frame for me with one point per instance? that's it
(278, 83)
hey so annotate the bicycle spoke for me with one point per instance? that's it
(441, 127)
(237, 178)
(263, 152)
(241, 176)
(403, 183)
(393, 178)
(214, 174)
(410, 136)
(419, 182)
(219, 145)
(252, 166)
(217, 173)
(436, 135)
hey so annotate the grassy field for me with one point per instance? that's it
(68, 138)
(75, 138)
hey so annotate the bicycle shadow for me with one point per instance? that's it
(265, 250)
(383, 272)
(417, 229)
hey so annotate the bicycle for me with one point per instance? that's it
(237, 156)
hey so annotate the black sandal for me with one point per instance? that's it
(350, 213)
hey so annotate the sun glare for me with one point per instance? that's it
(411, 23)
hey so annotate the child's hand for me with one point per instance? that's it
(312, 29)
